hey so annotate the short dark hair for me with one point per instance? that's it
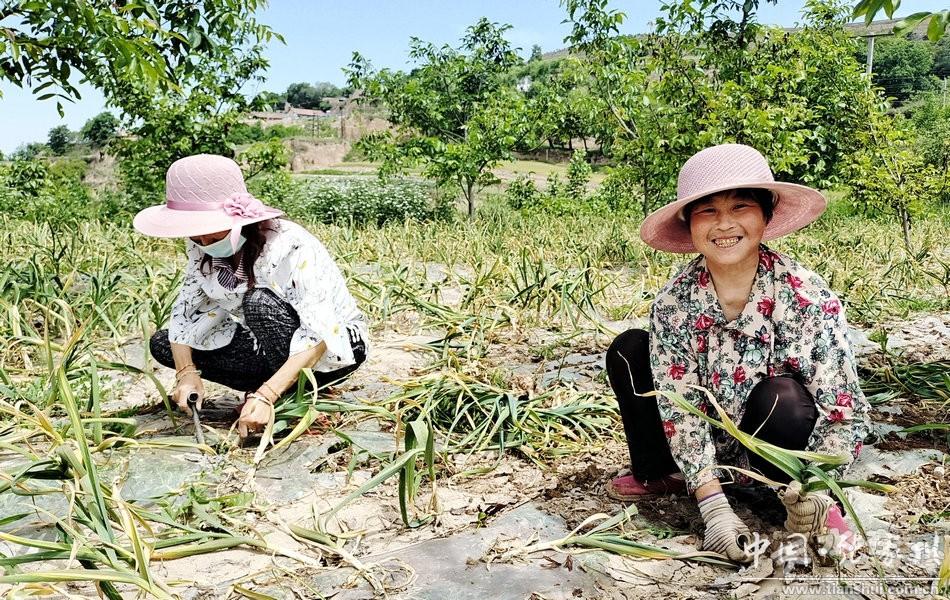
(763, 197)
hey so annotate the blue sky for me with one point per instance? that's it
(321, 36)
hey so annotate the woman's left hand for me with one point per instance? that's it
(807, 513)
(255, 415)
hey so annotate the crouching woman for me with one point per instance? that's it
(261, 297)
(762, 333)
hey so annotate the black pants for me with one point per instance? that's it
(789, 425)
(244, 366)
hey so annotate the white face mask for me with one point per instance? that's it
(222, 248)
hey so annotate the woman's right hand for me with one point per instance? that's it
(188, 384)
(725, 532)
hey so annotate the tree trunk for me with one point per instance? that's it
(646, 197)
(470, 196)
(943, 186)
(585, 144)
(570, 144)
(905, 224)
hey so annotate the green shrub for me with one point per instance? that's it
(244, 133)
(578, 175)
(264, 157)
(68, 169)
(362, 200)
(618, 190)
(27, 176)
(275, 188)
(54, 193)
(522, 193)
(563, 198)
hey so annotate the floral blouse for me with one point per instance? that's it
(297, 268)
(791, 325)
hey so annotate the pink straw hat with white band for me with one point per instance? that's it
(727, 167)
(204, 194)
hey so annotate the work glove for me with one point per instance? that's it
(816, 515)
(806, 513)
(725, 532)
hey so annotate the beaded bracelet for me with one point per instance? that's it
(271, 390)
(260, 397)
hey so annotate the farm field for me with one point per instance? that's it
(480, 173)
(463, 455)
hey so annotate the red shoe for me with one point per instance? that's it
(628, 487)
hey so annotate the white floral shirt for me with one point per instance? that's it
(298, 269)
(792, 324)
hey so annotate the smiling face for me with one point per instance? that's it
(727, 229)
(210, 238)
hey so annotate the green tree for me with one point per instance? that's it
(100, 129)
(889, 175)
(564, 86)
(27, 176)
(28, 151)
(932, 130)
(902, 67)
(305, 95)
(264, 157)
(535, 53)
(59, 140)
(155, 44)
(647, 89)
(703, 78)
(942, 58)
(268, 101)
(197, 116)
(453, 113)
(176, 127)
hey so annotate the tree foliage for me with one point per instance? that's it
(705, 77)
(197, 116)
(177, 127)
(563, 86)
(51, 42)
(942, 58)
(268, 101)
(100, 129)
(931, 121)
(453, 113)
(902, 67)
(936, 27)
(264, 157)
(888, 174)
(59, 140)
(306, 95)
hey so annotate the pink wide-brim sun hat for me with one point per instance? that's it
(204, 194)
(728, 167)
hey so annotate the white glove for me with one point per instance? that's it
(725, 532)
(807, 514)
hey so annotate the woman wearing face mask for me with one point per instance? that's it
(762, 333)
(261, 298)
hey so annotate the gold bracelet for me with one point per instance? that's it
(179, 375)
(267, 385)
(192, 365)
